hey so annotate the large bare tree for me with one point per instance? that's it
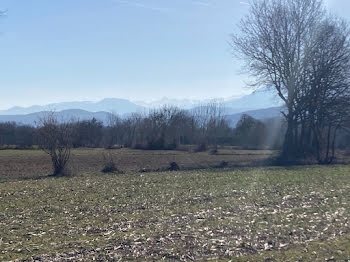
(288, 45)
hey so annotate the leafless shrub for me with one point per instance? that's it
(55, 138)
(109, 164)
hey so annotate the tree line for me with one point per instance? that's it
(165, 128)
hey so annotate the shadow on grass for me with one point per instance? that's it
(32, 178)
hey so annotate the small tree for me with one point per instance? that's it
(56, 139)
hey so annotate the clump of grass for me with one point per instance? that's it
(145, 170)
(109, 164)
(174, 166)
(223, 164)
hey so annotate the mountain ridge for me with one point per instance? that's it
(71, 114)
(261, 98)
(115, 105)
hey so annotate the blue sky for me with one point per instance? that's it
(68, 50)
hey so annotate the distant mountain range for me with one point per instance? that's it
(115, 105)
(71, 114)
(260, 104)
(181, 103)
(261, 98)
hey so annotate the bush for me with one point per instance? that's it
(55, 139)
(109, 165)
(223, 164)
(174, 166)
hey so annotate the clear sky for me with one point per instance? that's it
(68, 50)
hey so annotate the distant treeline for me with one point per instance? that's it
(166, 128)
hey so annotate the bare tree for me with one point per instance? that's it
(305, 56)
(55, 138)
(326, 98)
(209, 118)
(273, 43)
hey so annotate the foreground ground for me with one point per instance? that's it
(251, 214)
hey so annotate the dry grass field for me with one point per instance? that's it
(249, 214)
(35, 163)
(238, 213)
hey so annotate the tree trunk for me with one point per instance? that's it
(289, 147)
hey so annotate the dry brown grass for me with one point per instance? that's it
(250, 214)
(34, 163)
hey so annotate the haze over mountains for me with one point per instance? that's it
(117, 105)
(70, 114)
(252, 103)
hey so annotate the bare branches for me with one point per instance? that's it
(305, 56)
(272, 42)
(55, 138)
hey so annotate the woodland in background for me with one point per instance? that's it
(166, 128)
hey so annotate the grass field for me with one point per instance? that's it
(35, 163)
(246, 214)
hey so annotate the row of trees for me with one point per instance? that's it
(19, 135)
(304, 54)
(165, 128)
(170, 127)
